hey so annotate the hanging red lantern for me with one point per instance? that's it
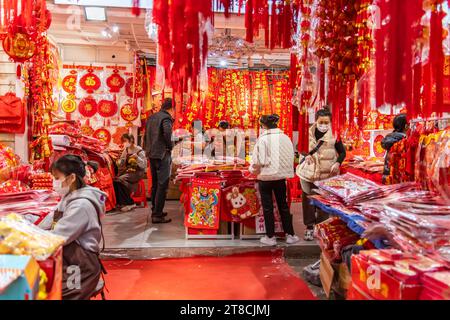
(87, 107)
(107, 108)
(137, 90)
(115, 82)
(103, 135)
(90, 81)
(69, 83)
(19, 47)
(129, 112)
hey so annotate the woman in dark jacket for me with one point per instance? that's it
(399, 133)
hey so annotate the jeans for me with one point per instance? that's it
(267, 189)
(160, 169)
(309, 211)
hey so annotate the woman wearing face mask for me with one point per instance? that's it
(132, 165)
(323, 161)
(77, 218)
(273, 163)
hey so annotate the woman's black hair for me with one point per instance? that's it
(127, 136)
(400, 122)
(224, 124)
(69, 164)
(325, 112)
(270, 121)
(94, 165)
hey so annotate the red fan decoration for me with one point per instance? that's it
(115, 82)
(107, 108)
(69, 105)
(103, 135)
(69, 83)
(133, 92)
(87, 107)
(90, 81)
(129, 112)
(19, 47)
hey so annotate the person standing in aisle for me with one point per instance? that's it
(323, 161)
(273, 162)
(158, 146)
(399, 133)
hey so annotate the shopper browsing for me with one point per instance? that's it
(77, 218)
(132, 166)
(323, 161)
(273, 162)
(158, 146)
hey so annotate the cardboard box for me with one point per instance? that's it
(326, 274)
(22, 282)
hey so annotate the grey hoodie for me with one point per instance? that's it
(79, 221)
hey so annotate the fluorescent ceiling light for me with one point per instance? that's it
(95, 13)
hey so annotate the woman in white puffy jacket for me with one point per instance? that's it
(273, 162)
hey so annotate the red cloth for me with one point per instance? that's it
(12, 114)
(375, 177)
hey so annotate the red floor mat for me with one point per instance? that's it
(245, 276)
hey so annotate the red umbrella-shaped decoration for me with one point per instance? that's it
(19, 47)
(129, 112)
(90, 81)
(107, 108)
(103, 135)
(69, 83)
(135, 90)
(115, 82)
(87, 107)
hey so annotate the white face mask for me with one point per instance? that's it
(59, 189)
(323, 127)
(127, 144)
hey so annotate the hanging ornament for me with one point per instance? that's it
(19, 47)
(107, 108)
(69, 83)
(115, 82)
(129, 112)
(103, 135)
(90, 81)
(377, 148)
(69, 105)
(87, 130)
(87, 107)
(137, 90)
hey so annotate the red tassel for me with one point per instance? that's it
(249, 21)
(437, 57)
(19, 71)
(136, 10)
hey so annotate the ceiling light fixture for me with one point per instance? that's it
(115, 28)
(95, 13)
(228, 46)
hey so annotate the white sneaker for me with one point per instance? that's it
(292, 239)
(268, 241)
(128, 208)
(309, 235)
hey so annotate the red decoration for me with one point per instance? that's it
(129, 112)
(107, 108)
(19, 47)
(377, 148)
(115, 82)
(69, 83)
(90, 81)
(87, 130)
(87, 107)
(135, 90)
(69, 105)
(103, 135)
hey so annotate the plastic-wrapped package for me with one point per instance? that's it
(440, 174)
(17, 236)
(8, 161)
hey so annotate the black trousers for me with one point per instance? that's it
(267, 189)
(160, 169)
(123, 194)
(311, 214)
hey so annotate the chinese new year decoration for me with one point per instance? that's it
(90, 82)
(103, 135)
(129, 112)
(69, 82)
(87, 107)
(115, 82)
(69, 105)
(135, 89)
(19, 47)
(107, 108)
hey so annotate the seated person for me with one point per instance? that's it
(132, 165)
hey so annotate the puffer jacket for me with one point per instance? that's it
(274, 153)
(386, 144)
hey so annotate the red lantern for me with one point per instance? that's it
(129, 112)
(87, 107)
(115, 82)
(87, 130)
(90, 81)
(19, 47)
(69, 83)
(103, 135)
(137, 91)
(107, 108)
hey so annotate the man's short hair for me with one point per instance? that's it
(167, 104)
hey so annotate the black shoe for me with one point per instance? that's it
(164, 214)
(161, 220)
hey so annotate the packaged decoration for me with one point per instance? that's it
(19, 237)
(8, 161)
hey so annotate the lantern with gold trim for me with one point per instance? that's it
(129, 112)
(135, 90)
(115, 82)
(107, 108)
(90, 82)
(69, 83)
(87, 107)
(69, 105)
(19, 47)
(103, 135)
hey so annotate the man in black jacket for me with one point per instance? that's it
(158, 146)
